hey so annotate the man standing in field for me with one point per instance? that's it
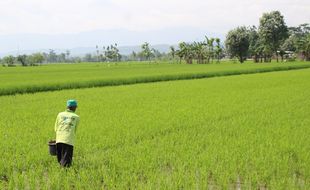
(65, 128)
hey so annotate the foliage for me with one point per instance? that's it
(218, 49)
(272, 31)
(36, 58)
(146, 52)
(112, 53)
(8, 60)
(273, 37)
(172, 51)
(304, 47)
(237, 43)
(51, 57)
(22, 59)
(25, 60)
(300, 31)
(290, 44)
(203, 52)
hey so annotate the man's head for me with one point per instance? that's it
(72, 105)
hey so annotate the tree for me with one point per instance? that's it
(133, 56)
(146, 51)
(210, 45)
(116, 55)
(52, 56)
(218, 49)
(97, 52)
(111, 53)
(237, 43)
(290, 44)
(199, 51)
(67, 55)
(304, 47)
(300, 31)
(186, 52)
(9, 60)
(255, 45)
(172, 51)
(37, 58)
(272, 31)
(61, 58)
(298, 40)
(22, 59)
(88, 57)
(182, 51)
(156, 54)
(34, 59)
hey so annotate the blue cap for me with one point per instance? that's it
(71, 103)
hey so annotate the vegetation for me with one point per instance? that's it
(237, 43)
(55, 77)
(298, 41)
(236, 131)
(109, 53)
(271, 39)
(272, 32)
(8, 60)
(203, 52)
(247, 131)
(146, 51)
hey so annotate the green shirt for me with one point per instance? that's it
(65, 127)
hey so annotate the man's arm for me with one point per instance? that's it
(56, 123)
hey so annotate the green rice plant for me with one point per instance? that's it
(248, 131)
(21, 80)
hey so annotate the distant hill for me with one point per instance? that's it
(85, 42)
(81, 51)
(124, 50)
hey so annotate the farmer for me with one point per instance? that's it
(65, 128)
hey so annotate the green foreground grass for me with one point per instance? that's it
(248, 130)
(21, 80)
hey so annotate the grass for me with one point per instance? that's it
(247, 130)
(21, 80)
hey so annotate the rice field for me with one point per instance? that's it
(72, 76)
(232, 132)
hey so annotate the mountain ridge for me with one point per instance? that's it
(20, 43)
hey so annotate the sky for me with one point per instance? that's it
(61, 17)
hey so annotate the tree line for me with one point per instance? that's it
(271, 39)
(36, 59)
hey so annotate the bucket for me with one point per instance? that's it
(52, 147)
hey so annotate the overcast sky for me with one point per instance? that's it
(67, 24)
(74, 16)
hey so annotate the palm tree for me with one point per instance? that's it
(186, 52)
(172, 52)
(97, 51)
(146, 51)
(218, 49)
(304, 47)
(199, 51)
(209, 43)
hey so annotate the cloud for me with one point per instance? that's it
(74, 16)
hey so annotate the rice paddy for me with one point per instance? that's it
(230, 132)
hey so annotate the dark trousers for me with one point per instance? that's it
(64, 154)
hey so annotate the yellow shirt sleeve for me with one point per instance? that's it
(56, 123)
